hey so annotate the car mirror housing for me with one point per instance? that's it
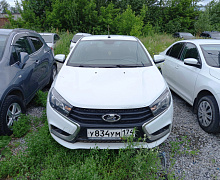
(23, 59)
(60, 58)
(158, 59)
(192, 62)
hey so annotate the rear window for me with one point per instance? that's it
(47, 38)
(3, 40)
(109, 53)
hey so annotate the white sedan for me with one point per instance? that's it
(192, 70)
(50, 39)
(108, 90)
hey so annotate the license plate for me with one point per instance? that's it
(109, 133)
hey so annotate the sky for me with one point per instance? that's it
(12, 3)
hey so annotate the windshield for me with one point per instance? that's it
(211, 53)
(47, 38)
(109, 53)
(2, 44)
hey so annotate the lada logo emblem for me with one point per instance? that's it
(111, 117)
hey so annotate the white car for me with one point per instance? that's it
(50, 39)
(76, 37)
(108, 89)
(192, 70)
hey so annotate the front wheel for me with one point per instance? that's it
(12, 108)
(208, 114)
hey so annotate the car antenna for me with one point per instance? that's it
(108, 32)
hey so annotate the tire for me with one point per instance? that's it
(208, 114)
(53, 74)
(7, 117)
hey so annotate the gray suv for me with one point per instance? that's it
(26, 65)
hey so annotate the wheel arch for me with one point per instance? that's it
(200, 95)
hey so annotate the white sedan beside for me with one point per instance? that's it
(192, 70)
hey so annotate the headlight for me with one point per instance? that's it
(162, 103)
(59, 103)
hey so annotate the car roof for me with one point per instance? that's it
(47, 33)
(202, 41)
(109, 37)
(83, 34)
(17, 30)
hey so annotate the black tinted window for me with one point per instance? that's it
(56, 37)
(36, 42)
(14, 56)
(22, 45)
(190, 51)
(176, 50)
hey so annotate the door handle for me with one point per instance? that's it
(177, 67)
(37, 61)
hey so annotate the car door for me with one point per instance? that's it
(44, 58)
(28, 73)
(171, 64)
(186, 74)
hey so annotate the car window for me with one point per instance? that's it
(3, 39)
(175, 50)
(22, 45)
(109, 53)
(211, 54)
(14, 56)
(56, 38)
(36, 42)
(190, 51)
(47, 38)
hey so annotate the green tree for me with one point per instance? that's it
(128, 23)
(4, 6)
(203, 23)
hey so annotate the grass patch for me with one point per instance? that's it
(63, 45)
(157, 43)
(46, 159)
(22, 126)
(40, 98)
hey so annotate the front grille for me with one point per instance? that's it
(128, 116)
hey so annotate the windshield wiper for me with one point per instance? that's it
(128, 65)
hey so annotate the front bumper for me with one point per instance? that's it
(73, 135)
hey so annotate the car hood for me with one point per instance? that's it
(215, 72)
(109, 88)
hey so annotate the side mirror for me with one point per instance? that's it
(23, 59)
(158, 59)
(192, 62)
(60, 58)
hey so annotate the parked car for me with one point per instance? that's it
(26, 65)
(192, 70)
(76, 37)
(210, 34)
(183, 35)
(109, 88)
(51, 39)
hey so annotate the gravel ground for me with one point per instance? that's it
(195, 152)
